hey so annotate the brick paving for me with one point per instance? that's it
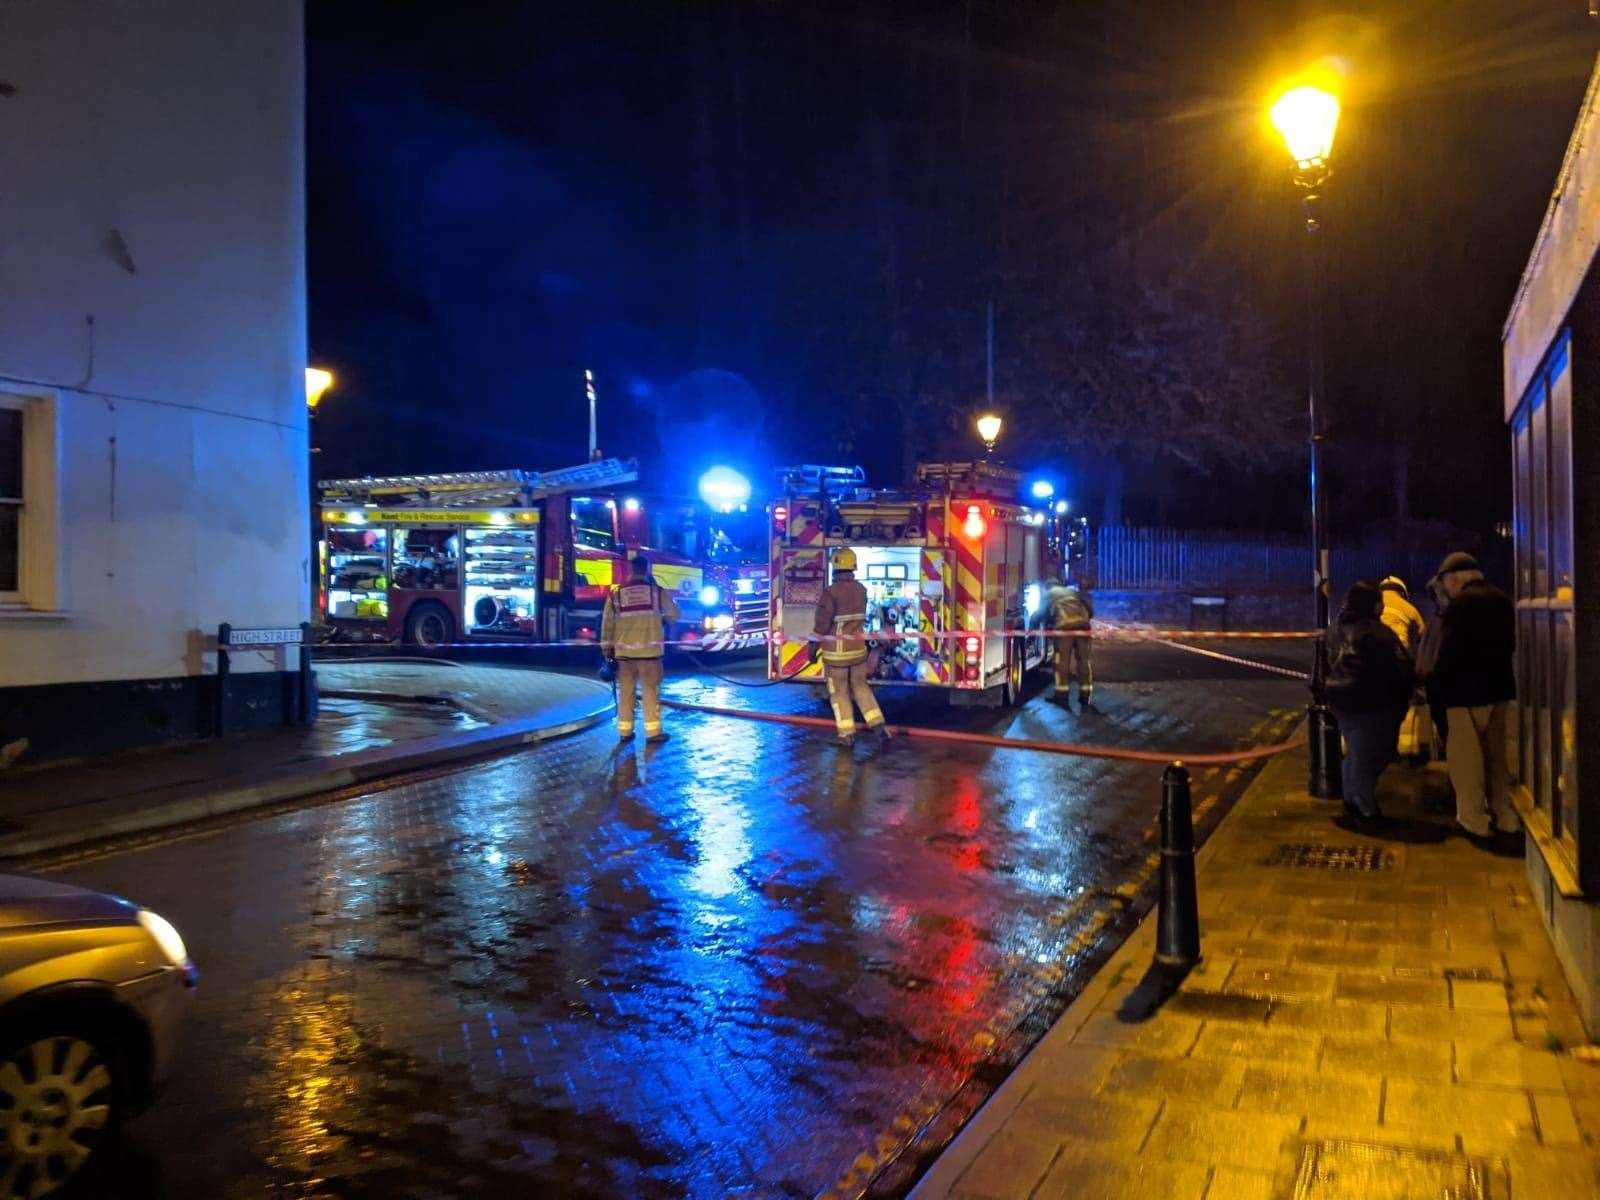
(1398, 1032)
(742, 963)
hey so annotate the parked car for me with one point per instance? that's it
(91, 992)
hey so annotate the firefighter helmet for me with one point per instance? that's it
(844, 559)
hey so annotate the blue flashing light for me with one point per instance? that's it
(709, 595)
(724, 489)
(1042, 489)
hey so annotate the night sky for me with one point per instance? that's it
(772, 229)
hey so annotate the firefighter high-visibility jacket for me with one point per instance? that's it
(1070, 608)
(630, 626)
(841, 621)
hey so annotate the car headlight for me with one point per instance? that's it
(165, 936)
(709, 596)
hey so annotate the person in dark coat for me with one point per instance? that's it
(1370, 681)
(1473, 678)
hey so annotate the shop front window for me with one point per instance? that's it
(10, 501)
(1541, 442)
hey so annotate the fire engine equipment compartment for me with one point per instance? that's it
(502, 593)
(895, 587)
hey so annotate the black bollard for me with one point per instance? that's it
(1178, 917)
(1327, 781)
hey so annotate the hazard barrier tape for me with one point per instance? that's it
(750, 641)
(1273, 668)
(919, 733)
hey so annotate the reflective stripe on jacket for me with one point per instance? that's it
(1069, 608)
(842, 620)
(631, 625)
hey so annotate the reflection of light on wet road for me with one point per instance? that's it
(718, 966)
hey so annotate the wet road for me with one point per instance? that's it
(741, 963)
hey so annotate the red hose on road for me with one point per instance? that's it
(986, 739)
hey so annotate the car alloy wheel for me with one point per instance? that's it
(56, 1100)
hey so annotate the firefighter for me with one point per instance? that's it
(1071, 616)
(631, 637)
(841, 624)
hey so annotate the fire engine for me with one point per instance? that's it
(951, 565)
(433, 559)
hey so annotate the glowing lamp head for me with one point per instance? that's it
(724, 489)
(989, 428)
(1306, 118)
(1042, 489)
(1062, 506)
(631, 504)
(318, 382)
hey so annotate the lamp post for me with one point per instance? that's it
(318, 382)
(1306, 118)
(989, 430)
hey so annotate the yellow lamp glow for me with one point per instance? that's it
(989, 428)
(318, 382)
(1306, 118)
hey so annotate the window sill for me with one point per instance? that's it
(21, 612)
(1557, 858)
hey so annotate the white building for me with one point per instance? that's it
(153, 443)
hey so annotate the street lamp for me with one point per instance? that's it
(1306, 117)
(989, 430)
(318, 382)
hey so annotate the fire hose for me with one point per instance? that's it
(918, 733)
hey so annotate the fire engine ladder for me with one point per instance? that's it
(982, 477)
(817, 479)
(478, 489)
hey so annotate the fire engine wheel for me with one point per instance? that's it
(429, 624)
(1014, 676)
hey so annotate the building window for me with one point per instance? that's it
(1541, 444)
(29, 504)
(11, 503)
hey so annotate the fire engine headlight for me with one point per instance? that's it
(1031, 598)
(722, 622)
(709, 595)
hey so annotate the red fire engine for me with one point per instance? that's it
(949, 565)
(482, 555)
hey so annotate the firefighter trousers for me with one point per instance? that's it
(646, 672)
(847, 682)
(1075, 652)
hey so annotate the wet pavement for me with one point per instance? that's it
(734, 964)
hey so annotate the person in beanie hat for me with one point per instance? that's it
(1473, 679)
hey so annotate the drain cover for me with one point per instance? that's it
(1332, 858)
(1340, 1170)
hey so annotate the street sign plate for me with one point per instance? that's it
(263, 637)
